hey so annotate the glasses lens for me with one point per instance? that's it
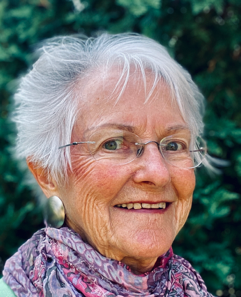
(179, 151)
(198, 153)
(116, 145)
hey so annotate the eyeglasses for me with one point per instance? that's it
(122, 147)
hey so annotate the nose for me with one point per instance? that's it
(152, 168)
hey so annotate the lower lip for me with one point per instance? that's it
(145, 210)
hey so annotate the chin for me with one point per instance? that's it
(149, 245)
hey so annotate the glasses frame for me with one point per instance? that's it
(142, 145)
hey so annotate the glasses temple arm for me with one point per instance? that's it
(201, 149)
(76, 143)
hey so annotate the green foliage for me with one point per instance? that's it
(204, 36)
(205, 5)
(139, 7)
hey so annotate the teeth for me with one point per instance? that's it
(142, 205)
(129, 205)
(155, 205)
(137, 206)
(162, 205)
(146, 205)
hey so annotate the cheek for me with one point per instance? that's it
(91, 193)
(184, 183)
(97, 179)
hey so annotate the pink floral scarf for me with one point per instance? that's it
(56, 262)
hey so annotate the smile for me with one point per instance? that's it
(161, 205)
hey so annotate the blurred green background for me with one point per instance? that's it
(205, 37)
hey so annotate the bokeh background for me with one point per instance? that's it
(205, 37)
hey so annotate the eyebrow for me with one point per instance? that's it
(177, 128)
(116, 126)
(132, 129)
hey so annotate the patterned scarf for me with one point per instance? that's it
(56, 262)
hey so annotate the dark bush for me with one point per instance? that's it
(204, 36)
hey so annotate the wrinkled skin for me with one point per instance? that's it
(95, 187)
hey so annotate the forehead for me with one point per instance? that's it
(99, 104)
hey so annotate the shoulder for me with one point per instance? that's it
(5, 290)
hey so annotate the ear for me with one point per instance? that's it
(46, 183)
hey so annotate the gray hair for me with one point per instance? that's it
(47, 104)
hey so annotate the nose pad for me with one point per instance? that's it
(140, 152)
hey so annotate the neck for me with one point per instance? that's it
(138, 266)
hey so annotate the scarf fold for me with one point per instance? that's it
(56, 262)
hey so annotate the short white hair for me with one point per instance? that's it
(46, 99)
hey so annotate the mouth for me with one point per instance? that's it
(146, 206)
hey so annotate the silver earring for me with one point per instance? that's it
(54, 213)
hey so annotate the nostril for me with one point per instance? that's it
(148, 183)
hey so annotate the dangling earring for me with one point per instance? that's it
(54, 212)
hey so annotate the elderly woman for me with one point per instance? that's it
(110, 125)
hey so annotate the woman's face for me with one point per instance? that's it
(95, 188)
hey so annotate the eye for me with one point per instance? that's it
(175, 146)
(113, 145)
